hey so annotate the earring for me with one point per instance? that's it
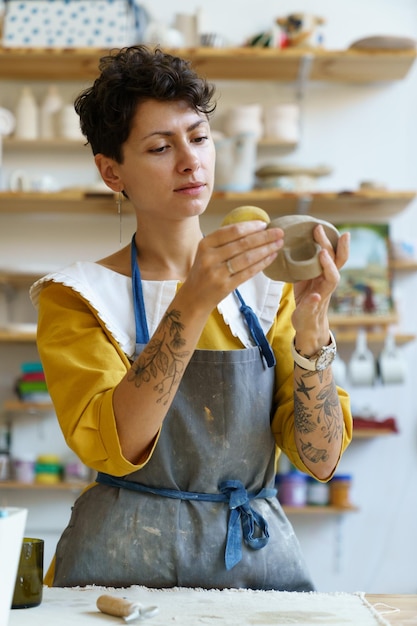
(119, 212)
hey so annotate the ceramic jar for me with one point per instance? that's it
(245, 118)
(187, 25)
(27, 116)
(235, 163)
(281, 122)
(69, 124)
(49, 110)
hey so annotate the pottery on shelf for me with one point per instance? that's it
(235, 162)
(282, 122)
(244, 118)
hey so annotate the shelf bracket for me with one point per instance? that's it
(306, 62)
(303, 75)
(303, 204)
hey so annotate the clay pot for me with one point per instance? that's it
(299, 258)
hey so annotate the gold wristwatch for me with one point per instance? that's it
(319, 361)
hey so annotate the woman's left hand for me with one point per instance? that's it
(312, 297)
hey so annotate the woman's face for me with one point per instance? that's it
(168, 161)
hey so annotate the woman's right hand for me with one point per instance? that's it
(230, 256)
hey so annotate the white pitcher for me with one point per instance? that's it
(235, 163)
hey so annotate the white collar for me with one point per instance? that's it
(110, 295)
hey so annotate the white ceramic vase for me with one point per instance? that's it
(235, 163)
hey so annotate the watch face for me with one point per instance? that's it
(326, 358)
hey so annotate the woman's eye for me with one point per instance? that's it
(200, 139)
(159, 149)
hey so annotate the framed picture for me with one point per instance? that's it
(365, 282)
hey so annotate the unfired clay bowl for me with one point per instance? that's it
(298, 259)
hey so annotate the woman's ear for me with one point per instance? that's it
(109, 172)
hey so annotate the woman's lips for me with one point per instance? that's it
(191, 190)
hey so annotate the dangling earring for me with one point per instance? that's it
(119, 212)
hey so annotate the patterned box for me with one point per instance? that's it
(70, 23)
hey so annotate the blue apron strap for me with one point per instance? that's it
(256, 331)
(142, 333)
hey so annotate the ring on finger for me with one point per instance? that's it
(230, 267)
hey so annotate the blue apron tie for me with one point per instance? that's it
(241, 511)
(231, 491)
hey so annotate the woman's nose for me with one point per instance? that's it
(188, 159)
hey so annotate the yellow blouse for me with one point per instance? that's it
(83, 363)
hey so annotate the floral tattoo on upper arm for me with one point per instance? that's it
(162, 358)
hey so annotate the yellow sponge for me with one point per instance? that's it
(245, 214)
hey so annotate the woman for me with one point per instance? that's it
(157, 381)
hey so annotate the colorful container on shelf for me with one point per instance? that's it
(48, 469)
(317, 492)
(31, 384)
(292, 488)
(340, 486)
(24, 469)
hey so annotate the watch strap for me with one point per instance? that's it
(310, 363)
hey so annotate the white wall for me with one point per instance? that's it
(363, 132)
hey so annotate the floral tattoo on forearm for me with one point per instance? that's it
(163, 357)
(323, 416)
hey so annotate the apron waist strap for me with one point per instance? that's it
(243, 519)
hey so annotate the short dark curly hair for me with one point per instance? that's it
(128, 77)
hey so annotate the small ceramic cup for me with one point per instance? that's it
(362, 368)
(392, 366)
(29, 580)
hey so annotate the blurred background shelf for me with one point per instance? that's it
(359, 206)
(241, 63)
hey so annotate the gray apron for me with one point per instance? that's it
(202, 512)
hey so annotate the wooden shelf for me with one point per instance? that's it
(11, 143)
(243, 63)
(373, 339)
(403, 265)
(17, 279)
(319, 510)
(346, 327)
(24, 279)
(360, 206)
(365, 320)
(355, 206)
(61, 486)
(14, 336)
(67, 201)
(345, 337)
(17, 406)
(371, 433)
(271, 142)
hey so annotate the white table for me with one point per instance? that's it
(190, 607)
